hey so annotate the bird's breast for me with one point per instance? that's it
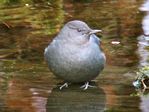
(81, 56)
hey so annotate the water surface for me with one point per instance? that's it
(25, 81)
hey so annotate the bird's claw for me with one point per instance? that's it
(64, 85)
(86, 86)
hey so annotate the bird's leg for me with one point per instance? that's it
(64, 85)
(86, 86)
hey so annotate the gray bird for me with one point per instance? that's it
(75, 55)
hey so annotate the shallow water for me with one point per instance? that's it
(25, 81)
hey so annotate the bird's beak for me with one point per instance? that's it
(94, 31)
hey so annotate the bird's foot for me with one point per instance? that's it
(64, 85)
(86, 86)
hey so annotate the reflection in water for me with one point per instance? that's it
(75, 99)
(31, 92)
(144, 52)
(144, 105)
(24, 87)
(26, 28)
(145, 22)
(144, 40)
(145, 6)
(117, 86)
(26, 96)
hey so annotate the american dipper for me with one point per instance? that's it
(75, 55)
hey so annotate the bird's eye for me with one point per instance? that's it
(79, 30)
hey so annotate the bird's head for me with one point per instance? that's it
(77, 30)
